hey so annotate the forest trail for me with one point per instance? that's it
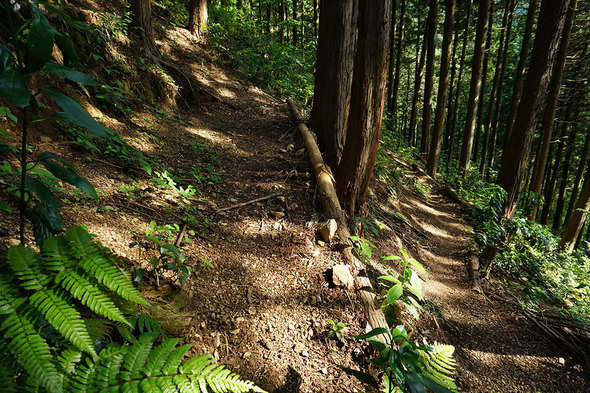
(496, 348)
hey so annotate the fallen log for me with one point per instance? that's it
(327, 193)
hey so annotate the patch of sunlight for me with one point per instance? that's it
(225, 92)
(431, 229)
(209, 134)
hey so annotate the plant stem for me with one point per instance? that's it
(22, 205)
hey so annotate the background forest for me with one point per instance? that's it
(150, 122)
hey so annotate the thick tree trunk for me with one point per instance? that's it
(398, 63)
(520, 68)
(550, 106)
(417, 82)
(429, 77)
(474, 89)
(443, 89)
(578, 179)
(515, 158)
(455, 107)
(367, 99)
(334, 65)
(141, 16)
(576, 223)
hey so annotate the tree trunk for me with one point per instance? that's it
(549, 115)
(565, 174)
(484, 81)
(315, 20)
(269, 18)
(367, 99)
(429, 77)
(578, 179)
(398, 63)
(302, 24)
(520, 69)
(495, 89)
(391, 62)
(281, 20)
(452, 82)
(417, 83)
(575, 224)
(443, 89)
(455, 107)
(553, 174)
(549, 30)
(474, 89)
(496, 117)
(334, 65)
(294, 35)
(141, 16)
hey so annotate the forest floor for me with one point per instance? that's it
(260, 294)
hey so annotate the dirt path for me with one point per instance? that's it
(497, 350)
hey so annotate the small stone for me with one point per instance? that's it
(324, 370)
(277, 214)
(290, 147)
(321, 243)
(247, 355)
(304, 353)
(291, 326)
(299, 348)
(203, 325)
(327, 229)
(341, 276)
(561, 361)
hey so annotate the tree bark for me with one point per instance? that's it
(549, 115)
(520, 68)
(334, 66)
(553, 173)
(141, 16)
(367, 99)
(392, 56)
(429, 77)
(576, 222)
(443, 89)
(452, 83)
(565, 174)
(455, 107)
(294, 35)
(474, 89)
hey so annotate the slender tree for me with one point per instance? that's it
(578, 179)
(443, 89)
(334, 66)
(398, 62)
(472, 103)
(367, 99)
(454, 108)
(392, 56)
(417, 82)
(429, 76)
(576, 222)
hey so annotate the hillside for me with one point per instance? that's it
(223, 175)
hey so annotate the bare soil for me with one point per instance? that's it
(260, 294)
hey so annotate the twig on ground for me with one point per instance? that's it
(248, 202)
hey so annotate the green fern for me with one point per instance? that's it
(141, 367)
(438, 365)
(46, 345)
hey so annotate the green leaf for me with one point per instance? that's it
(394, 293)
(416, 264)
(70, 177)
(399, 332)
(48, 209)
(366, 250)
(390, 279)
(39, 42)
(435, 387)
(171, 248)
(67, 48)
(413, 383)
(361, 376)
(5, 207)
(372, 333)
(74, 113)
(390, 258)
(70, 74)
(14, 88)
(5, 56)
(47, 155)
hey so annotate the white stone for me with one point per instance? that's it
(341, 276)
(327, 229)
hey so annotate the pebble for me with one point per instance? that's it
(299, 348)
(277, 214)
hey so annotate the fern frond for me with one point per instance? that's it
(56, 254)
(439, 365)
(30, 349)
(22, 262)
(89, 294)
(68, 359)
(53, 304)
(101, 264)
(98, 329)
(159, 357)
(137, 355)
